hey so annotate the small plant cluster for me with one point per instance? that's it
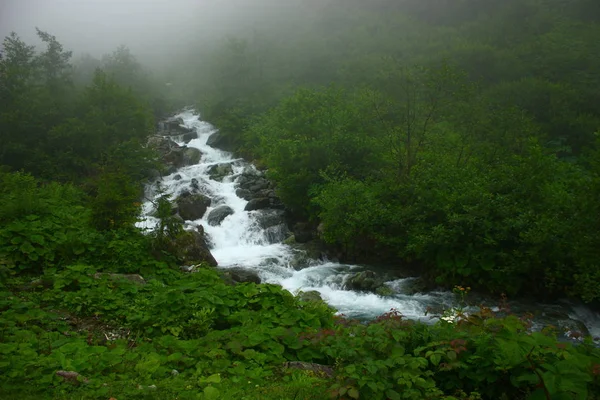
(178, 336)
(479, 356)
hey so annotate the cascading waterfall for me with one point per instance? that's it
(241, 241)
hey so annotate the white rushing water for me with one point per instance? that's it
(240, 241)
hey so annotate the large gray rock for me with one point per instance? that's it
(216, 216)
(257, 204)
(192, 206)
(244, 194)
(269, 218)
(259, 185)
(364, 280)
(189, 136)
(240, 275)
(253, 183)
(172, 154)
(173, 124)
(159, 142)
(310, 296)
(163, 146)
(303, 232)
(314, 249)
(414, 286)
(191, 248)
(220, 141)
(265, 193)
(173, 158)
(219, 171)
(275, 202)
(191, 156)
(181, 132)
(174, 127)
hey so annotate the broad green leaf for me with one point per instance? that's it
(214, 378)
(26, 248)
(353, 393)
(211, 393)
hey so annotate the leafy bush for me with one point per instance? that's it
(42, 225)
(192, 336)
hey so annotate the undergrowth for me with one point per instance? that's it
(194, 337)
(77, 322)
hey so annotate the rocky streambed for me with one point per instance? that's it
(236, 221)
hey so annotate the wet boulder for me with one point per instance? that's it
(259, 185)
(190, 156)
(265, 193)
(243, 194)
(303, 232)
(310, 296)
(219, 171)
(191, 248)
(220, 140)
(172, 154)
(251, 170)
(192, 206)
(412, 286)
(181, 133)
(275, 202)
(189, 136)
(162, 144)
(172, 124)
(240, 275)
(253, 183)
(174, 158)
(257, 204)
(314, 249)
(216, 216)
(269, 218)
(364, 280)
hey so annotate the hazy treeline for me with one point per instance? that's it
(73, 157)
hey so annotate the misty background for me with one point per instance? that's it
(154, 30)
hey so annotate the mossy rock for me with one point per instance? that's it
(192, 206)
(290, 240)
(385, 291)
(311, 295)
(191, 248)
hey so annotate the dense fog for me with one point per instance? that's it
(150, 28)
